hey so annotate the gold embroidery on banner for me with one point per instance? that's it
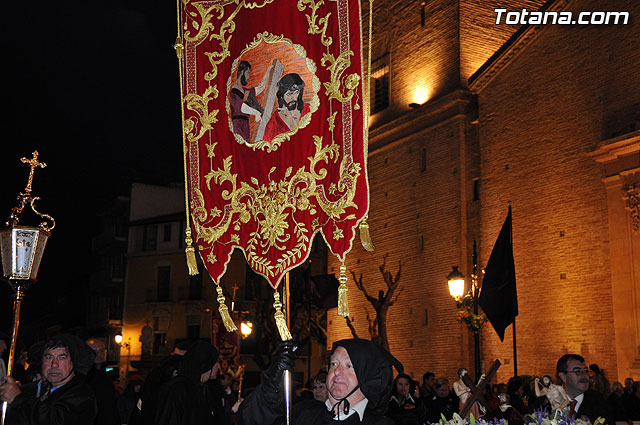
(272, 206)
(336, 66)
(200, 105)
(321, 26)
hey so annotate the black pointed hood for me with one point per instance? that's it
(200, 357)
(373, 367)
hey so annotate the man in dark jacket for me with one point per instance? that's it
(182, 400)
(359, 381)
(61, 396)
(574, 374)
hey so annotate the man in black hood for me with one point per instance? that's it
(61, 396)
(359, 382)
(182, 401)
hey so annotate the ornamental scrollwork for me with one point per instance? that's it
(631, 196)
(272, 206)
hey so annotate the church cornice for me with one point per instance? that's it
(510, 50)
(612, 149)
(459, 104)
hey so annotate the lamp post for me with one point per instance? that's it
(22, 248)
(127, 345)
(456, 289)
(246, 328)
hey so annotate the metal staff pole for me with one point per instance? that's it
(19, 294)
(287, 374)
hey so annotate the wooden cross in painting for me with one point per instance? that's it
(476, 391)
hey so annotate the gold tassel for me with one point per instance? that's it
(365, 235)
(281, 323)
(343, 302)
(224, 311)
(178, 46)
(192, 264)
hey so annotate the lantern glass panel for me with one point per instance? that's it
(22, 249)
(456, 288)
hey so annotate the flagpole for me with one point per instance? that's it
(476, 334)
(288, 396)
(515, 350)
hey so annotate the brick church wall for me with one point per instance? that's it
(540, 115)
(538, 119)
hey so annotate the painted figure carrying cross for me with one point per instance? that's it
(476, 390)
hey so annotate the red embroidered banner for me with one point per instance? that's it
(273, 107)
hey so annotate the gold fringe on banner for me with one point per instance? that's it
(343, 303)
(281, 322)
(192, 264)
(365, 235)
(224, 311)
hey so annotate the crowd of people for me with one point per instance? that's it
(66, 384)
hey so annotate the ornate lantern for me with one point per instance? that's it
(22, 248)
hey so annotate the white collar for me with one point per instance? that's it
(578, 400)
(358, 407)
(406, 398)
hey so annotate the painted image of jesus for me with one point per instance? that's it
(291, 106)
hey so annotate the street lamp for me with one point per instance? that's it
(22, 248)
(127, 345)
(470, 299)
(246, 328)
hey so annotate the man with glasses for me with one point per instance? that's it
(574, 375)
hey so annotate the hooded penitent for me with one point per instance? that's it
(373, 367)
(200, 358)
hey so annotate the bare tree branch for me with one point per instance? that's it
(351, 327)
(381, 304)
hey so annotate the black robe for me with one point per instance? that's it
(72, 404)
(182, 402)
(407, 412)
(106, 397)
(262, 408)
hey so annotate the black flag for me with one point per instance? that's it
(498, 296)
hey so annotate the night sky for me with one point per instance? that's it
(93, 86)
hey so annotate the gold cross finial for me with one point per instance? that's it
(33, 163)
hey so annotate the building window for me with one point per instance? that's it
(166, 233)
(195, 286)
(476, 189)
(193, 327)
(164, 283)
(117, 266)
(181, 235)
(380, 84)
(150, 237)
(159, 342)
